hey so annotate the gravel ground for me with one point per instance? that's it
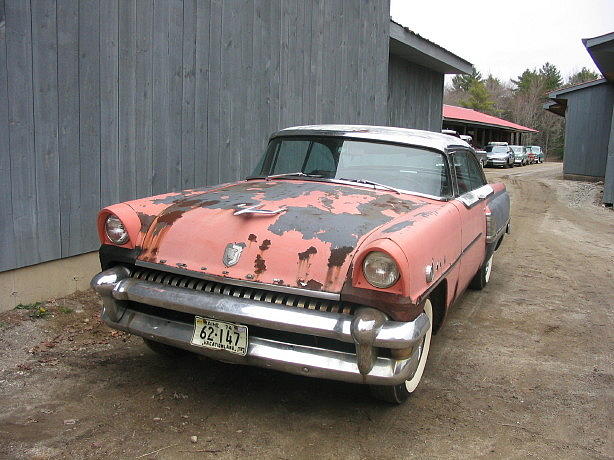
(520, 369)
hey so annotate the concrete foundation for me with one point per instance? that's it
(44, 281)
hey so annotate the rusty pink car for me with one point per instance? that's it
(337, 259)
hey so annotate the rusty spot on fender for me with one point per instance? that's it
(252, 238)
(306, 254)
(259, 265)
(313, 285)
(338, 255)
(266, 244)
(146, 220)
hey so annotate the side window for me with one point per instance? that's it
(468, 172)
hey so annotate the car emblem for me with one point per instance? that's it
(232, 253)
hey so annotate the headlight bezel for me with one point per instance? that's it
(377, 257)
(125, 237)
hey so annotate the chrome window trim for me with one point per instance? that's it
(243, 283)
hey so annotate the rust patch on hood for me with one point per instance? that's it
(338, 256)
(259, 265)
(266, 244)
(252, 238)
(305, 254)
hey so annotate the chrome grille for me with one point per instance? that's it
(263, 295)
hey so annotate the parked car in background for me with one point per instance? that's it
(520, 156)
(499, 154)
(337, 259)
(539, 154)
(530, 154)
(481, 156)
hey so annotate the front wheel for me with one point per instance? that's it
(398, 394)
(482, 277)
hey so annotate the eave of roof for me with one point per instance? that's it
(601, 50)
(454, 113)
(412, 47)
(580, 86)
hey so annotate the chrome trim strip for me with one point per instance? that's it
(236, 282)
(448, 270)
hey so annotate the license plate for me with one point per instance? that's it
(220, 335)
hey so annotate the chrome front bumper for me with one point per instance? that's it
(368, 329)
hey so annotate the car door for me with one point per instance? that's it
(471, 191)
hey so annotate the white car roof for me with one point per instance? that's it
(416, 137)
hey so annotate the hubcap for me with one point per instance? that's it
(487, 269)
(424, 351)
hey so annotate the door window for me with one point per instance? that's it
(468, 172)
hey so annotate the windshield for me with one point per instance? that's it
(496, 149)
(408, 168)
(517, 149)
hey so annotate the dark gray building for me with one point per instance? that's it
(588, 109)
(103, 101)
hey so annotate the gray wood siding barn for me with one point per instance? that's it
(415, 95)
(587, 130)
(102, 101)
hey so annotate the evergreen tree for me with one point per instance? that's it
(582, 76)
(463, 82)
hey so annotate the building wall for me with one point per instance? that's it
(608, 186)
(588, 122)
(415, 95)
(103, 101)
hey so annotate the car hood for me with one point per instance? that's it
(309, 245)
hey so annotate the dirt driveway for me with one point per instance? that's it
(521, 369)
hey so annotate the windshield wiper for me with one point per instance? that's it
(298, 173)
(375, 184)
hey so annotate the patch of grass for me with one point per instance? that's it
(28, 306)
(3, 324)
(65, 310)
(36, 309)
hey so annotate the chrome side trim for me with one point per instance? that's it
(236, 282)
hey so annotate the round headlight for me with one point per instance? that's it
(115, 230)
(380, 270)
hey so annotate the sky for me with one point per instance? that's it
(503, 38)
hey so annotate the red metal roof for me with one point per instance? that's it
(452, 112)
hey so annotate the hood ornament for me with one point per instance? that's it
(246, 208)
(232, 253)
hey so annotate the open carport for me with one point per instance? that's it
(482, 127)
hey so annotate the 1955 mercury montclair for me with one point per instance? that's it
(338, 259)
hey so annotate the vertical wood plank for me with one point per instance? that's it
(110, 170)
(175, 99)
(21, 130)
(45, 98)
(245, 112)
(89, 119)
(189, 167)
(275, 75)
(143, 98)
(160, 107)
(214, 92)
(7, 236)
(127, 121)
(68, 121)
